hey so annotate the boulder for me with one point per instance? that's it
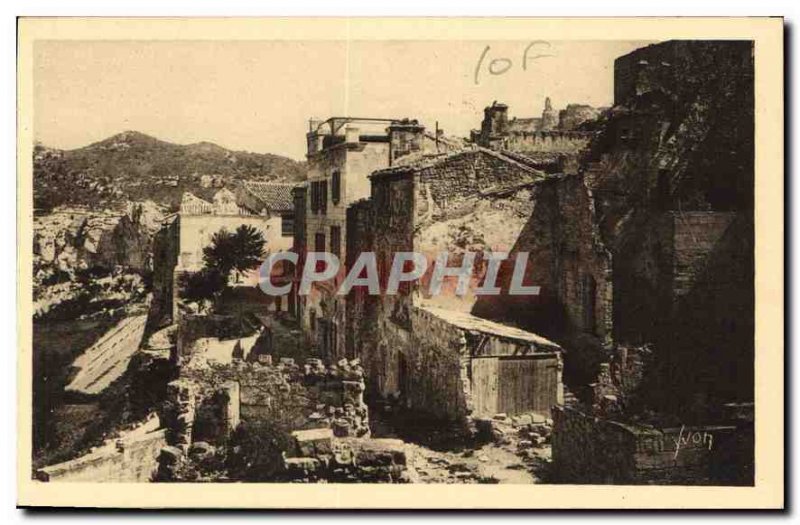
(314, 442)
(379, 452)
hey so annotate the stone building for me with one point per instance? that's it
(178, 246)
(342, 152)
(552, 142)
(430, 351)
(266, 206)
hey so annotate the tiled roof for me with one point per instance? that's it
(276, 196)
(418, 163)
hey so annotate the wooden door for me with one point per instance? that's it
(514, 385)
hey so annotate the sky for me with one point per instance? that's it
(258, 96)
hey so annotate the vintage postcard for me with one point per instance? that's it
(401, 263)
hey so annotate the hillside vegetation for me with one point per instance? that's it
(135, 166)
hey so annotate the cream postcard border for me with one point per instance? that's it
(769, 198)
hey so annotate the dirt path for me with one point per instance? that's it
(490, 463)
(513, 455)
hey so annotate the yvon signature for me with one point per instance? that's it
(695, 438)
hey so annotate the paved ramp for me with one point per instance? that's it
(108, 358)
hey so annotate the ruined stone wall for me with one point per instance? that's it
(469, 202)
(474, 202)
(658, 264)
(673, 146)
(569, 142)
(705, 349)
(163, 309)
(572, 267)
(207, 402)
(592, 450)
(438, 368)
(574, 115)
(320, 457)
(696, 235)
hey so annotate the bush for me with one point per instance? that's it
(256, 451)
(202, 285)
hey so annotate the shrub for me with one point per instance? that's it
(256, 451)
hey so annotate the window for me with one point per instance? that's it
(314, 201)
(287, 225)
(319, 196)
(323, 196)
(319, 246)
(336, 187)
(336, 241)
(319, 242)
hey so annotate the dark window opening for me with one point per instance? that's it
(287, 225)
(314, 197)
(323, 196)
(336, 241)
(336, 187)
(319, 246)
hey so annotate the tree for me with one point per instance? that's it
(240, 251)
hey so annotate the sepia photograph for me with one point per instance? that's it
(518, 260)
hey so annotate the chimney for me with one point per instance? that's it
(405, 137)
(313, 137)
(311, 142)
(351, 135)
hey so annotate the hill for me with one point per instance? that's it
(134, 166)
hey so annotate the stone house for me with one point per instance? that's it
(430, 351)
(342, 152)
(178, 246)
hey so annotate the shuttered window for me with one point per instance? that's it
(336, 187)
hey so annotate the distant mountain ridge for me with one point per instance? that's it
(135, 166)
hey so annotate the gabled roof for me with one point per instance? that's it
(431, 161)
(276, 196)
(193, 205)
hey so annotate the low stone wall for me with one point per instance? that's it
(133, 458)
(592, 450)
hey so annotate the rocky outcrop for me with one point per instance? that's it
(77, 238)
